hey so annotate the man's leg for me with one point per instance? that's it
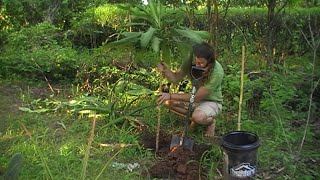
(201, 118)
(177, 107)
(205, 114)
(211, 128)
(181, 109)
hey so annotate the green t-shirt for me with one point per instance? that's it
(213, 84)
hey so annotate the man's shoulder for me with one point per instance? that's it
(218, 64)
(218, 68)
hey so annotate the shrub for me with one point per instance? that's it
(39, 51)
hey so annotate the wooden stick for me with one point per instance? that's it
(241, 87)
(86, 155)
(119, 145)
(159, 112)
(158, 128)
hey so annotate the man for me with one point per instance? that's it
(208, 98)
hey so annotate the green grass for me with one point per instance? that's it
(54, 144)
(52, 151)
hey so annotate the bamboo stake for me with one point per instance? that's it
(118, 145)
(86, 155)
(158, 128)
(241, 87)
(159, 111)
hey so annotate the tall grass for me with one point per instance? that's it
(39, 152)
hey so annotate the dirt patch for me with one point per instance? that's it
(13, 96)
(11, 101)
(178, 163)
(9, 105)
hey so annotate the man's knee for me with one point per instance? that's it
(167, 104)
(199, 117)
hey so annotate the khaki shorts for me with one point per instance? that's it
(210, 108)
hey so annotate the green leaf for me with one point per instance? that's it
(131, 34)
(147, 36)
(193, 36)
(202, 34)
(33, 111)
(136, 24)
(154, 13)
(156, 44)
(130, 37)
(138, 92)
(165, 50)
(140, 13)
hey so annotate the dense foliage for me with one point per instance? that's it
(77, 42)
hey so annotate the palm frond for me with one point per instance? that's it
(156, 44)
(146, 37)
(193, 35)
(130, 37)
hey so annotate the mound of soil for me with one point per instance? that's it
(178, 163)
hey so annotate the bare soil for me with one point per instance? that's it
(178, 163)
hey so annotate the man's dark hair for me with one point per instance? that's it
(204, 50)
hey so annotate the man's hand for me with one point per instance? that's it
(163, 97)
(162, 68)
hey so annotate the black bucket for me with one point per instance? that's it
(240, 155)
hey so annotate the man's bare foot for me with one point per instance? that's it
(192, 126)
(210, 129)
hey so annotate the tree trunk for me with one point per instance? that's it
(52, 11)
(213, 21)
(216, 24)
(270, 31)
(209, 15)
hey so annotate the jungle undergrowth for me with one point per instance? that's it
(60, 129)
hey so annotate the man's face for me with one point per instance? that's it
(201, 62)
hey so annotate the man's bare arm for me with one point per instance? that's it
(201, 94)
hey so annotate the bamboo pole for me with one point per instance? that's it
(241, 87)
(158, 128)
(159, 111)
(87, 153)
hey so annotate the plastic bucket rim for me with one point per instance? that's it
(231, 146)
